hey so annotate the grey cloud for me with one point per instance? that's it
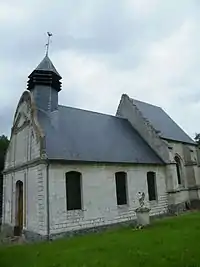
(108, 26)
(109, 29)
(105, 30)
(190, 98)
(6, 118)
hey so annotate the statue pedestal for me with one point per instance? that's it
(142, 214)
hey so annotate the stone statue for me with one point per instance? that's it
(141, 197)
(142, 212)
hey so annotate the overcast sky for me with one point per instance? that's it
(149, 49)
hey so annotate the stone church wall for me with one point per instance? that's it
(23, 152)
(25, 141)
(34, 201)
(99, 196)
(189, 161)
(23, 147)
(188, 191)
(7, 199)
(167, 150)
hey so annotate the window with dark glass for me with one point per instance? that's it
(73, 190)
(121, 191)
(151, 182)
(178, 169)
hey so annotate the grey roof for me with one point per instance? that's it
(79, 135)
(47, 65)
(162, 123)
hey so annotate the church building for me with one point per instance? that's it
(69, 169)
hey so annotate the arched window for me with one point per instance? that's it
(178, 169)
(151, 182)
(73, 190)
(121, 187)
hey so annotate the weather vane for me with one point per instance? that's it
(48, 42)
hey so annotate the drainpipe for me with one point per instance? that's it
(47, 202)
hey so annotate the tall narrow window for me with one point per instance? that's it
(178, 169)
(151, 181)
(73, 190)
(19, 207)
(121, 191)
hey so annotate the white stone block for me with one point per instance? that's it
(143, 218)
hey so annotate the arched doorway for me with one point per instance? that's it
(19, 208)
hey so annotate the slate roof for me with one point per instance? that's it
(79, 135)
(44, 75)
(47, 65)
(162, 122)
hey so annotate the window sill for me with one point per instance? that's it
(123, 208)
(153, 202)
(75, 213)
(180, 187)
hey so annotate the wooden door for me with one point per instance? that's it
(19, 207)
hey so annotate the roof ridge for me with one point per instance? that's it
(91, 111)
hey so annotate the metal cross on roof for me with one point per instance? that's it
(48, 42)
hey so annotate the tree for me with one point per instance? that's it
(197, 138)
(4, 142)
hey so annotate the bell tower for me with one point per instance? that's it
(44, 83)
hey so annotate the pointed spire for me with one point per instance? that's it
(45, 74)
(44, 83)
(47, 65)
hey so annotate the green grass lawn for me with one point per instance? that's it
(167, 242)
